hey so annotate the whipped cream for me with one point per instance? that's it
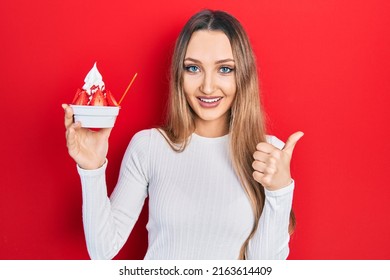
(93, 78)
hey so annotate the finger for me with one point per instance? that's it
(106, 131)
(259, 166)
(71, 138)
(265, 147)
(292, 141)
(258, 176)
(76, 125)
(263, 179)
(71, 132)
(68, 115)
(260, 156)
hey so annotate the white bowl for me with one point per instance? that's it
(95, 116)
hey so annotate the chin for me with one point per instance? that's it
(210, 117)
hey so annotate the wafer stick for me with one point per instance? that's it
(128, 87)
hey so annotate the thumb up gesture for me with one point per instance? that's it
(272, 166)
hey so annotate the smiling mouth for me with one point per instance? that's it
(210, 100)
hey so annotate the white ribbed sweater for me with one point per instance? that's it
(197, 207)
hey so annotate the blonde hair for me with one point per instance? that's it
(246, 125)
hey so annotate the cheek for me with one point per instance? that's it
(189, 84)
(186, 86)
(229, 86)
(189, 91)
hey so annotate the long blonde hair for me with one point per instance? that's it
(246, 125)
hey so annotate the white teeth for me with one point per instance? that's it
(210, 100)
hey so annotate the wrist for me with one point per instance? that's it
(93, 166)
(280, 192)
(92, 172)
(282, 185)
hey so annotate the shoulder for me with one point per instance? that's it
(143, 134)
(144, 143)
(140, 137)
(146, 137)
(275, 141)
(139, 146)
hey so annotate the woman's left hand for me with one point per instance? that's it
(272, 166)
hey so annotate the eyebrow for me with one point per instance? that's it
(217, 62)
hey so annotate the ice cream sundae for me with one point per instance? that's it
(94, 106)
(93, 93)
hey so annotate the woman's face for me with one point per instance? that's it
(209, 79)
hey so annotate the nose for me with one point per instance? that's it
(208, 84)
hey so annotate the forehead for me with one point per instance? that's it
(206, 45)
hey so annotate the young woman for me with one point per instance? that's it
(218, 187)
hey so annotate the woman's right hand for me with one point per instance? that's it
(87, 147)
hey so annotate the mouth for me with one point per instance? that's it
(209, 101)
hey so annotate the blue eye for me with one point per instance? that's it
(225, 69)
(192, 68)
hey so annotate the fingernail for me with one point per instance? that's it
(63, 106)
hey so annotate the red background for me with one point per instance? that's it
(324, 69)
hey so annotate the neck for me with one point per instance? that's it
(211, 129)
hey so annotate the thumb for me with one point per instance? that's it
(291, 141)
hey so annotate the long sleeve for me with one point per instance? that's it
(109, 221)
(197, 206)
(271, 239)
